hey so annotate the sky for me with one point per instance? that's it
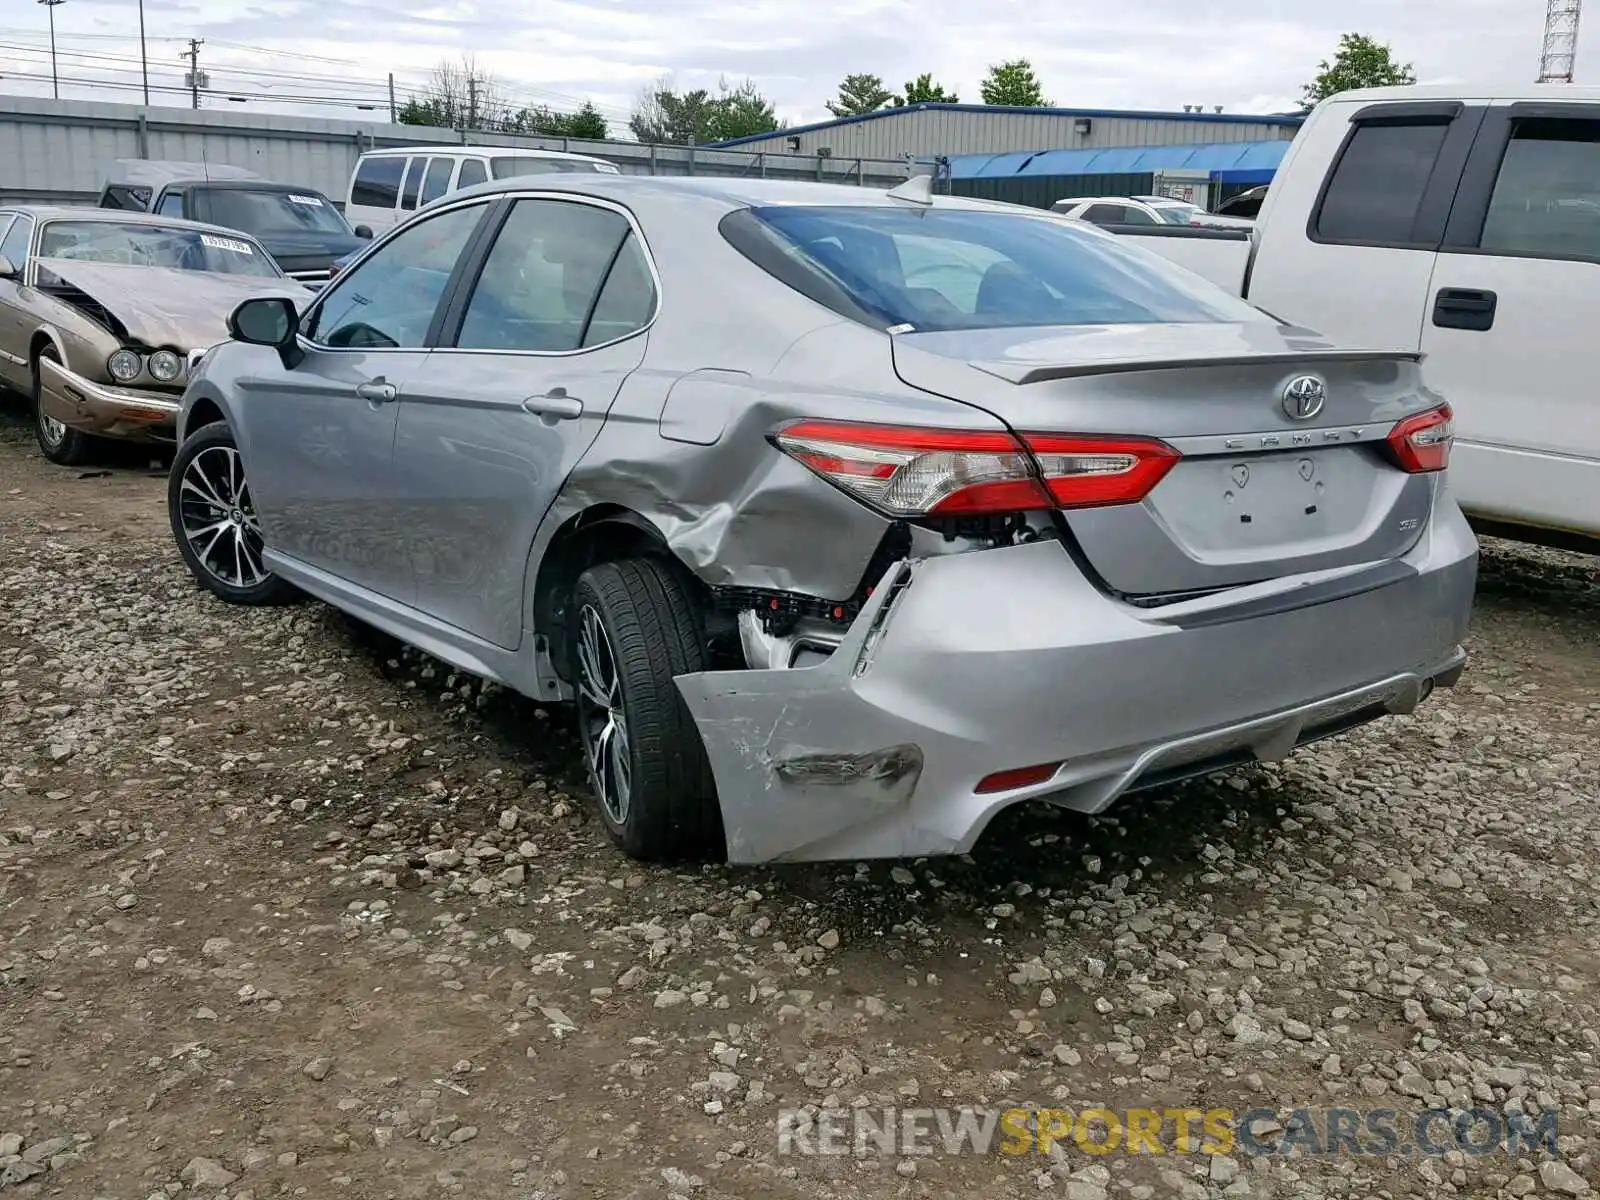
(324, 58)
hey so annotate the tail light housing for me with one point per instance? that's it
(1422, 442)
(906, 471)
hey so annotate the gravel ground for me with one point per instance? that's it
(286, 909)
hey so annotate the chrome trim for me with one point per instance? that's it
(107, 394)
(1278, 439)
(16, 359)
(518, 194)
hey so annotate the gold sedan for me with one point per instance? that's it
(102, 311)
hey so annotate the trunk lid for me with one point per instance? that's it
(1259, 494)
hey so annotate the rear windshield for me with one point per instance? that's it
(144, 245)
(267, 212)
(512, 167)
(946, 269)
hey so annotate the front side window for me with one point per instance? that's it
(951, 269)
(388, 300)
(540, 281)
(264, 212)
(1546, 200)
(1376, 188)
(377, 183)
(14, 246)
(168, 246)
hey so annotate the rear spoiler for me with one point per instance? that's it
(1025, 373)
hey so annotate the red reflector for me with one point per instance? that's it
(1422, 442)
(913, 472)
(1016, 777)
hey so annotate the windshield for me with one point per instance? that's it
(154, 246)
(949, 269)
(264, 212)
(511, 167)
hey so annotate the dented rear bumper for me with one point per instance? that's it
(970, 664)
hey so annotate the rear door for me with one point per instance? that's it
(535, 346)
(1511, 319)
(1348, 249)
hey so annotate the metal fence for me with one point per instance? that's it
(60, 150)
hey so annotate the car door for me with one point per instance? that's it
(319, 437)
(1513, 306)
(533, 351)
(16, 328)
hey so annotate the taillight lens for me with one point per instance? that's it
(1422, 443)
(914, 472)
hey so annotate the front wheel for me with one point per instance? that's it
(60, 444)
(633, 630)
(214, 520)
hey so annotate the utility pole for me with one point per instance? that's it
(393, 118)
(144, 58)
(472, 102)
(55, 80)
(193, 55)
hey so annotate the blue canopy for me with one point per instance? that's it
(1228, 162)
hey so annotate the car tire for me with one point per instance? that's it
(63, 446)
(214, 521)
(633, 630)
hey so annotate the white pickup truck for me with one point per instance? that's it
(1464, 226)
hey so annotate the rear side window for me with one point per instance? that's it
(1546, 200)
(1378, 183)
(1104, 214)
(413, 183)
(437, 181)
(377, 182)
(472, 172)
(954, 269)
(171, 205)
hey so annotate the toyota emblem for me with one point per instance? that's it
(1304, 397)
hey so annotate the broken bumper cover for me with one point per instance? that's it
(105, 410)
(971, 664)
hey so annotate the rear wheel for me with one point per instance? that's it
(634, 629)
(61, 445)
(214, 520)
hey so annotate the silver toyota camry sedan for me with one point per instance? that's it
(844, 518)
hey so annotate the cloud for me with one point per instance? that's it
(1247, 56)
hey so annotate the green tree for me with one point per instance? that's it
(860, 94)
(1013, 85)
(923, 90)
(587, 122)
(1360, 62)
(663, 114)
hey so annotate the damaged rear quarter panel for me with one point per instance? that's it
(737, 511)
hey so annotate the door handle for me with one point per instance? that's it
(554, 405)
(378, 393)
(1464, 308)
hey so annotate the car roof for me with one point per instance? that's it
(116, 216)
(157, 173)
(730, 191)
(478, 152)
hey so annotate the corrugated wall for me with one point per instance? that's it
(59, 150)
(926, 132)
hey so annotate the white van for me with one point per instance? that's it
(387, 186)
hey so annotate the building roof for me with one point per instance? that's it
(1229, 160)
(1285, 119)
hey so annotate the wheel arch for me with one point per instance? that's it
(202, 411)
(599, 533)
(42, 337)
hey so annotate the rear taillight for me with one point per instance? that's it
(1422, 443)
(913, 472)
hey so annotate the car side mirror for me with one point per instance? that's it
(8, 269)
(268, 321)
(364, 231)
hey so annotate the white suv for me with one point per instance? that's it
(387, 186)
